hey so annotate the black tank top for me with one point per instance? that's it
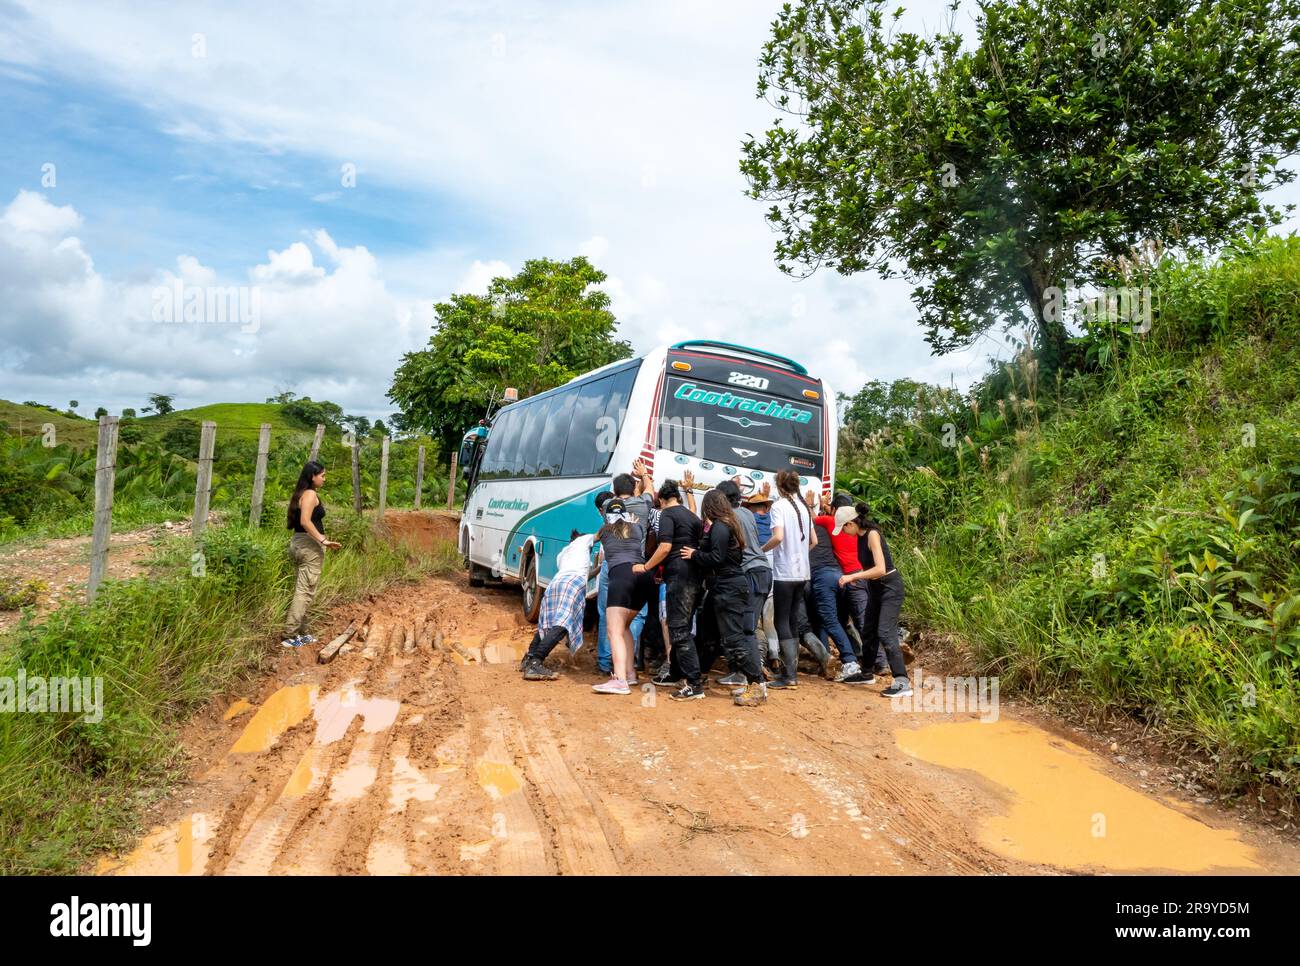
(317, 520)
(865, 550)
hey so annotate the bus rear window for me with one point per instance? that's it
(740, 427)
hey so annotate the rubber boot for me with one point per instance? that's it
(790, 665)
(818, 650)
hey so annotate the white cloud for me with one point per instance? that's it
(480, 275)
(639, 171)
(294, 263)
(334, 333)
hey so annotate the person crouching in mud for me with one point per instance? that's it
(563, 606)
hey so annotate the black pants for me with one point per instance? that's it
(543, 643)
(684, 593)
(730, 596)
(789, 609)
(708, 637)
(809, 620)
(883, 608)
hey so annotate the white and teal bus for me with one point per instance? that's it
(716, 409)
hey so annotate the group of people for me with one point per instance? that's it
(754, 579)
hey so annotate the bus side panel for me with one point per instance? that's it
(551, 519)
(831, 429)
(640, 427)
(490, 517)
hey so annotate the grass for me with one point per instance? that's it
(1132, 545)
(164, 645)
(28, 420)
(241, 420)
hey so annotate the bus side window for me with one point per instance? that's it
(586, 432)
(530, 438)
(620, 391)
(555, 433)
(498, 461)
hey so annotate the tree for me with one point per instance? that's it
(1074, 132)
(74, 404)
(160, 404)
(879, 404)
(306, 412)
(183, 438)
(128, 413)
(533, 331)
(100, 411)
(360, 424)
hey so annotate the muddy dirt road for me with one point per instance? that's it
(423, 751)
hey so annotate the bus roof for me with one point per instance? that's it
(732, 347)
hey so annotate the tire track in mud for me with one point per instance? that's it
(421, 750)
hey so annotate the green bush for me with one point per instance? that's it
(1128, 535)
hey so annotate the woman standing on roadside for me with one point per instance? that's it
(307, 547)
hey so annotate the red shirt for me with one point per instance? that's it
(844, 545)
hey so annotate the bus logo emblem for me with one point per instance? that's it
(745, 421)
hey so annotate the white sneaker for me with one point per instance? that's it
(612, 686)
(291, 642)
(847, 670)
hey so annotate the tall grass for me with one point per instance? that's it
(1132, 543)
(164, 645)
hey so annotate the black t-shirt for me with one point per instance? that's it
(681, 528)
(823, 555)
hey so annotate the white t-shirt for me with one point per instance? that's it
(576, 557)
(790, 556)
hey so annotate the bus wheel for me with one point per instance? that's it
(477, 575)
(532, 595)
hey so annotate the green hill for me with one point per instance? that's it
(241, 420)
(234, 421)
(27, 421)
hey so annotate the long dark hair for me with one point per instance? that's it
(787, 484)
(717, 507)
(310, 469)
(864, 519)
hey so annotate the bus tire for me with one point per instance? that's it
(532, 596)
(477, 575)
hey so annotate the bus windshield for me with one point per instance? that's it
(735, 413)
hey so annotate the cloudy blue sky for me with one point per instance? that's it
(146, 144)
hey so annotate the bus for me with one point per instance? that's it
(719, 410)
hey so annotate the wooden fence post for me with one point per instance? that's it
(203, 485)
(356, 473)
(315, 443)
(451, 482)
(383, 478)
(419, 476)
(105, 470)
(259, 476)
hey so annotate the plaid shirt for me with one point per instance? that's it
(563, 605)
